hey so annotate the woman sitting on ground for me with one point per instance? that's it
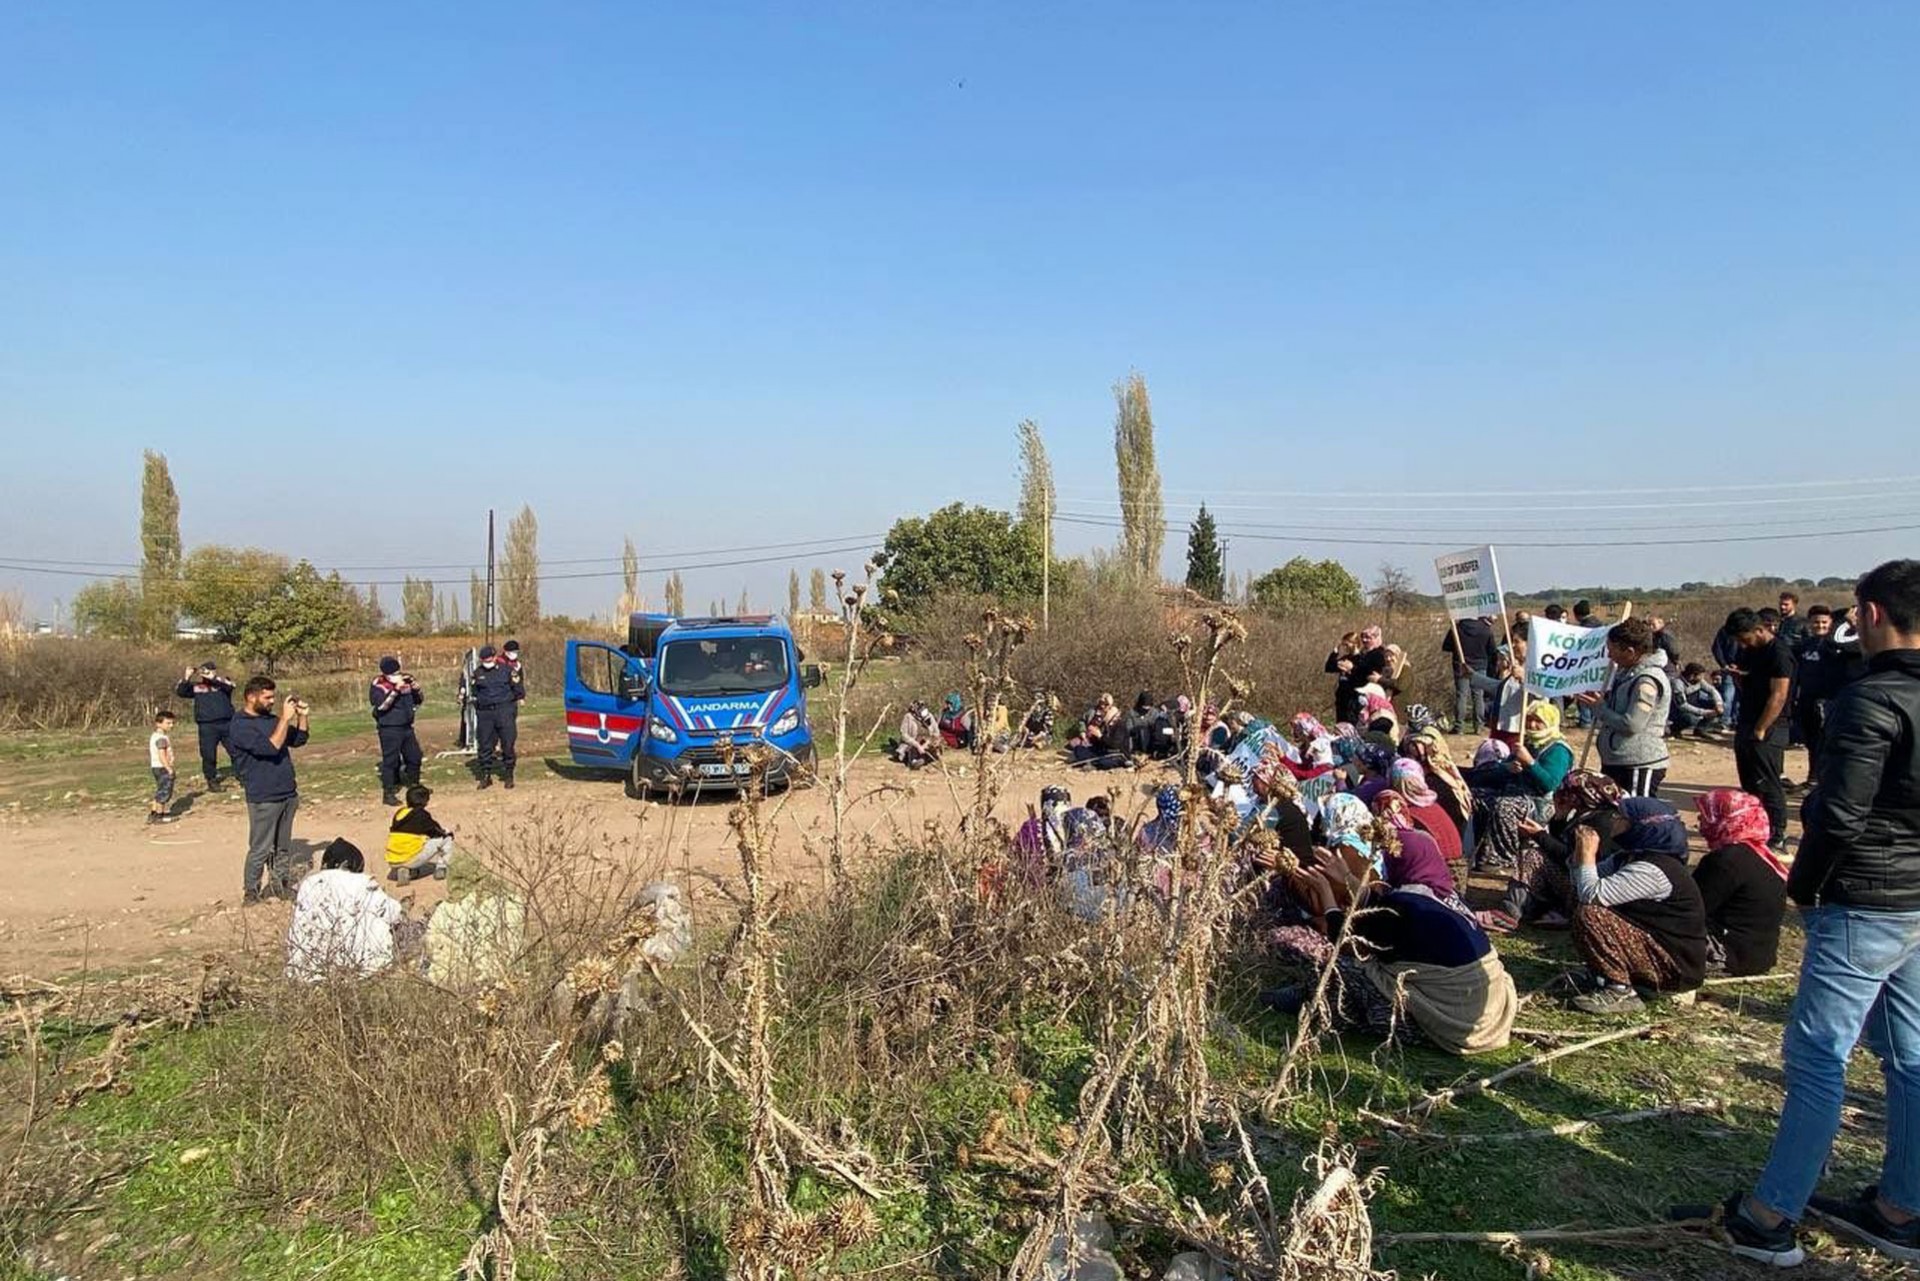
(1641, 926)
(1088, 861)
(1037, 730)
(1348, 824)
(1411, 857)
(919, 742)
(1516, 791)
(1312, 740)
(1429, 747)
(1375, 760)
(342, 920)
(956, 724)
(1041, 842)
(1144, 726)
(1277, 807)
(1102, 741)
(1407, 780)
(1540, 888)
(1743, 883)
(1457, 996)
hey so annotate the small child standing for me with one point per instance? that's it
(160, 761)
(416, 844)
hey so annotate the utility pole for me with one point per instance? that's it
(1046, 560)
(489, 622)
(1224, 544)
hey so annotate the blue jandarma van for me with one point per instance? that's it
(670, 707)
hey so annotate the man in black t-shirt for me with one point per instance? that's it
(1765, 672)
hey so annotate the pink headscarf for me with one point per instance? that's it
(1732, 817)
(1408, 779)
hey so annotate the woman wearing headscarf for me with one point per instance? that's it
(1312, 740)
(1743, 883)
(1429, 747)
(1633, 713)
(956, 724)
(1042, 840)
(1375, 759)
(1409, 855)
(1348, 823)
(1643, 924)
(1102, 741)
(1408, 781)
(1515, 792)
(1356, 667)
(1277, 801)
(1160, 833)
(1540, 888)
(1424, 973)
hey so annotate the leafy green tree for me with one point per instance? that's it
(219, 585)
(1143, 518)
(630, 599)
(960, 548)
(300, 614)
(417, 602)
(160, 550)
(1204, 570)
(109, 608)
(1325, 584)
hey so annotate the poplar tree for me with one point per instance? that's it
(160, 551)
(1142, 516)
(1038, 502)
(519, 579)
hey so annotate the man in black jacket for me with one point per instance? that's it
(394, 695)
(212, 696)
(1857, 881)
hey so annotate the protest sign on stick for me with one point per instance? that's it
(1470, 587)
(1564, 660)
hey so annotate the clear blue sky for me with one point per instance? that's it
(725, 275)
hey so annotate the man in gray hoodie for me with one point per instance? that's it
(1632, 714)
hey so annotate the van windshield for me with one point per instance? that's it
(740, 665)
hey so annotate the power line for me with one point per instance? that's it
(468, 565)
(866, 545)
(1558, 542)
(1563, 493)
(1666, 505)
(1481, 527)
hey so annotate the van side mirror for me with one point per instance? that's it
(633, 686)
(811, 676)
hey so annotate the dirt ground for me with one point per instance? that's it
(85, 884)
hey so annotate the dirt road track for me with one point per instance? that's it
(83, 888)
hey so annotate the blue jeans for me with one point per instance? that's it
(1469, 706)
(1730, 695)
(1861, 973)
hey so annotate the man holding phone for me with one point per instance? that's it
(394, 695)
(261, 743)
(212, 696)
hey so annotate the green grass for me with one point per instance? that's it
(175, 1219)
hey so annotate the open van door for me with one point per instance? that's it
(606, 705)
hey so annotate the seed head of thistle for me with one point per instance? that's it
(859, 591)
(1238, 688)
(973, 641)
(1182, 642)
(851, 601)
(839, 578)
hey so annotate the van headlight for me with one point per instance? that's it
(788, 722)
(659, 729)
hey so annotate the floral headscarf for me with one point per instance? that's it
(1307, 727)
(1732, 817)
(1163, 832)
(1420, 717)
(1407, 778)
(1653, 827)
(1349, 822)
(1442, 773)
(1375, 758)
(1345, 815)
(1085, 830)
(1392, 806)
(1167, 803)
(1586, 790)
(1053, 811)
(1538, 740)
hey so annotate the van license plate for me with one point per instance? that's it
(723, 771)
